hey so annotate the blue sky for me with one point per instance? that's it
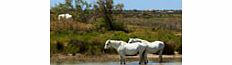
(139, 4)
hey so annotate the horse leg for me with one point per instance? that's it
(145, 58)
(122, 56)
(160, 55)
(144, 54)
(140, 58)
(122, 61)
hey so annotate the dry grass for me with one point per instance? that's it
(70, 25)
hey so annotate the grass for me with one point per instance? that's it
(95, 40)
(89, 38)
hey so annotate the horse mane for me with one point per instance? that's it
(120, 41)
(142, 40)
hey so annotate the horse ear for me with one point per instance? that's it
(131, 38)
(109, 41)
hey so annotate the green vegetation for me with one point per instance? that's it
(87, 32)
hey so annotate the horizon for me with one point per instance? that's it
(140, 4)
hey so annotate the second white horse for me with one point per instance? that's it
(152, 47)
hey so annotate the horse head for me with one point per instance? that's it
(107, 44)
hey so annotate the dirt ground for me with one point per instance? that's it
(103, 58)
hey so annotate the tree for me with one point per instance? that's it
(82, 10)
(68, 3)
(105, 9)
(119, 8)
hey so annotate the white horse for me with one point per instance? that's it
(152, 47)
(64, 16)
(124, 49)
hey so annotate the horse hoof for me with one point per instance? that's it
(145, 63)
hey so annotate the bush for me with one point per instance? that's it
(75, 46)
(100, 25)
(56, 48)
(179, 49)
(53, 49)
(169, 48)
(92, 43)
(119, 26)
(72, 49)
(120, 36)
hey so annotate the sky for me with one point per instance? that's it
(139, 4)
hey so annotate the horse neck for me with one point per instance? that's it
(116, 44)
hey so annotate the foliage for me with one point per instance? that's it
(93, 24)
(93, 42)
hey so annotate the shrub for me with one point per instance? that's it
(100, 25)
(75, 46)
(120, 36)
(71, 49)
(56, 48)
(53, 49)
(119, 26)
(169, 48)
(179, 49)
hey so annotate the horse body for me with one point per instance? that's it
(155, 46)
(152, 47)
(125, 49)
(133, 49)
(64, 16)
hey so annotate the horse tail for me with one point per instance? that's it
(164, 43)
(161, 50)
